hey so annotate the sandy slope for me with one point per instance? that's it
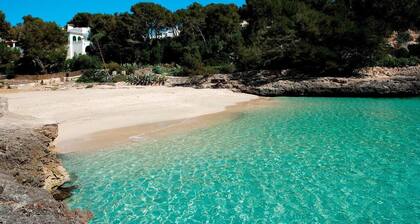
(81, 112)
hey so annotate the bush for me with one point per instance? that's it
(130, 68)
(176, 71)
(146, 79)
(83, 62)
(7, 69)
(390, 61)
(93, 75)
(404, 37)
(157, 70)
(113, 66)
(400, 53)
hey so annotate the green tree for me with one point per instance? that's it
(4, 26)
(43, 44)
(150, 19)
(8, 57)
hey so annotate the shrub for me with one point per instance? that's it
(404, 37)
(113, 66)
(146, 79)
(83, 62)
(176, 71)
(400, 53)
(130, 68)
(8, 69)
(390, 61)
(157, 70)
(93, 75)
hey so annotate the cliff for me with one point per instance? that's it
(370, 82)
(30, 172)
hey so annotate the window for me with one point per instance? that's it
(80, 39)
(74, 39)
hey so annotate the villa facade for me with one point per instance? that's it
(78, 40)
(168, 32)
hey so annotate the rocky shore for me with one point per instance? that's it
(369, 82)
(30, 173)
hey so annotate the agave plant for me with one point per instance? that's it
(146, 79)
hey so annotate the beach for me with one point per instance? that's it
(99, 117)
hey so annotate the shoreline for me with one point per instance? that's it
(105, 115)
(108, 139)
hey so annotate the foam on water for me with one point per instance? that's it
(307, 160)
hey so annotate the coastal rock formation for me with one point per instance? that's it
(26, 154)
(30, 172)
(371, 82)
(25, 204)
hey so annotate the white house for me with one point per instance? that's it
(9, 43)
(78, 40)
(168, 32)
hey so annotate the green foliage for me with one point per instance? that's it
(8, 57)
(404, 37)
(157, 69)
(400, 53)
(95, 75)
(43, 44)
(146, 79)
(130, 68)
(322, 37)
(4, 26)
(220, 69)
(318, 37)
(113, 67)
(83, 62)
(175, 70)
(390, 61)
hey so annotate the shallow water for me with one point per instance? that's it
(326, 160)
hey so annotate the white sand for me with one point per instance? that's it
(81, 112)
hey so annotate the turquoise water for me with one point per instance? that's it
(307, 160)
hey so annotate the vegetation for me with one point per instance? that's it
(83, 62)
(43, 44)
(318, 37)
(95, 75)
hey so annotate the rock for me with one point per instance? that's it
(31, 205)
(62, 193)
(372, 82)
(31, 173)
(25, 153)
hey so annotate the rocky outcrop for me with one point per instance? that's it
(25, 204)
(371, 82)
(31, 172)
(26, 153)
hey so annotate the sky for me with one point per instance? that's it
(61, 11)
